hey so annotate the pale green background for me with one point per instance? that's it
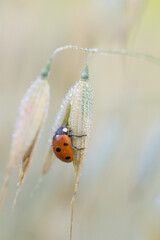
(119, 193)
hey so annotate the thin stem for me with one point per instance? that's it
(46, 70)
(125, 52)
(72, 203)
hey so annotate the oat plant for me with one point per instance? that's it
(32, 114)
(75, 112)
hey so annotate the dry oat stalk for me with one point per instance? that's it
(75, 113)
(80, 121)
(32, 114)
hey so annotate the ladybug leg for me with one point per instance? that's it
(77, 148)
(72, 135)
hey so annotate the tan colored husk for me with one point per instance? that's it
(61, 120)
(41, 103)
(80, 121)
(32, 114)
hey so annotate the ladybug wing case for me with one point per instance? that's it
(62, 147)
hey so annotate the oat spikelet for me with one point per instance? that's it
(80, 120)
(75, 113)
(32, 114)
(61, 120)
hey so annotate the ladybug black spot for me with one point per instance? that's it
(65, 144)
(68, 157)
(58, 149)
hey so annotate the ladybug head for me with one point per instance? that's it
(62, 130)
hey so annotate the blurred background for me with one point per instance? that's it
(119, 193)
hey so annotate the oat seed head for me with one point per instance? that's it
(32, 114)
(80, 119)
(76, 113)
(61, 119)
(64, 111)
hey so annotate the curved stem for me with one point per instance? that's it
(46, 70)
(142, 56)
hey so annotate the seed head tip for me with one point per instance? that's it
(84, 75)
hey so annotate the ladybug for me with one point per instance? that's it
(62, 144)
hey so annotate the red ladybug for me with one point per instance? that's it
(62, 144)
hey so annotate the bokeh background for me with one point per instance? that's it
(119, 193)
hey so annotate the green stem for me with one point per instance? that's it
(84, 75)
(46, 70)
(125, 52)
